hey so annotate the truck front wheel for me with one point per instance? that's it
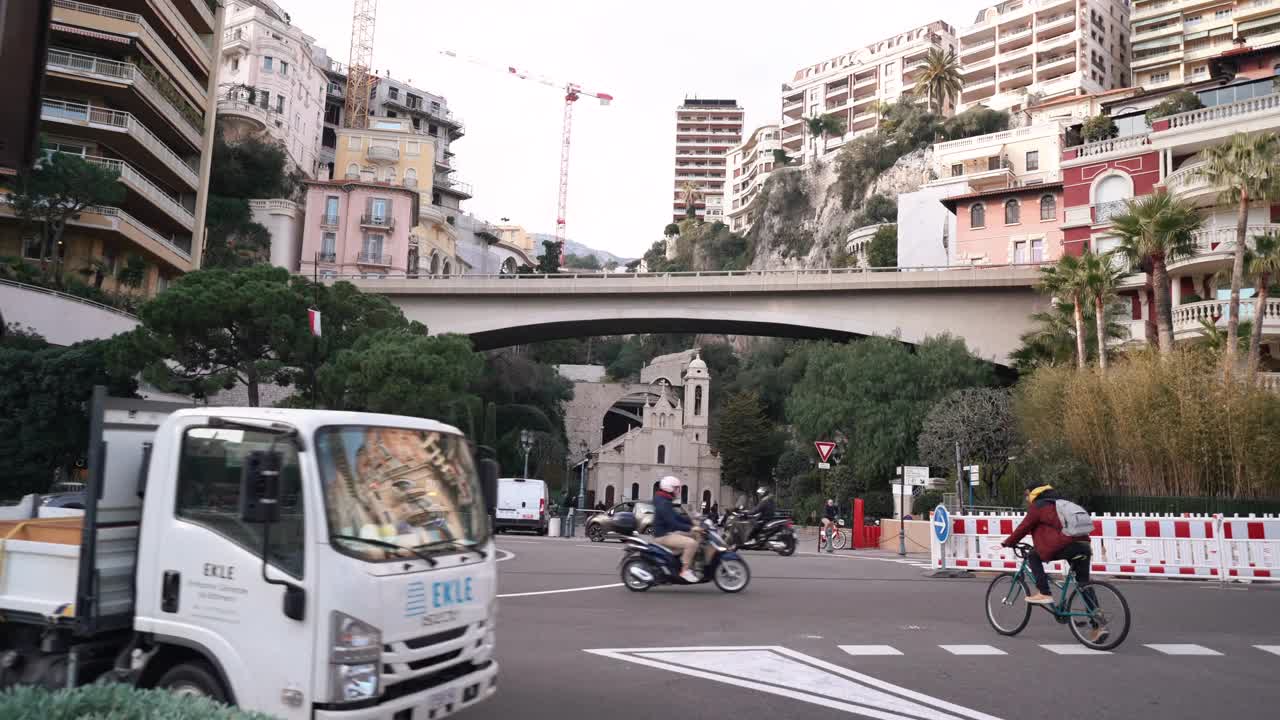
(193, 678)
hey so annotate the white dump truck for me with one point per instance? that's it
(301, 563)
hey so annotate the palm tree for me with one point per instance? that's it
(1246, 165)
(1102, 279)
(1067, 280)
(1156, 229)
(940, 79)
(1052, 341)
(1263, 266)
(691, 195)
(1214, 340)
(825, 125)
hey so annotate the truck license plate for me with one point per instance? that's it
(438, 700)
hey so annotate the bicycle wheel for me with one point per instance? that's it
(1107, 622)
(838, 540)
(1007, 608)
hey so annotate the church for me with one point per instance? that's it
(671, 439)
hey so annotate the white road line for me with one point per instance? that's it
(564, 590)
(787, 673)
(508, 557)
(862, 650)
(1183, 649)
(1273, 649)
(1073, 650)
(973, 650)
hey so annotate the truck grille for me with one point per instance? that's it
(406, 659)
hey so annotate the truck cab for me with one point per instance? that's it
(301, 563)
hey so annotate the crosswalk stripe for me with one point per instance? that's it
(1273, 649)
(870, 649)
(1073, 650)
(1183, 649)
(972, 650)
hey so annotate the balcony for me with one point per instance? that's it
(1048, 65)
(1132, 144)
(1218, 244)
(1189, 182)
(1015, 38)
(457, 187)
(1173, 54)
(1187, 318)
(383, 154)
(373, 258)
(1263, 111)
(1051, 27)
(1104, 211)
(115, 123)
(970, 51)
(139, 184)
(249, 117)
(1255, 8)
(378, 222)
(95, 68)
(329, 221)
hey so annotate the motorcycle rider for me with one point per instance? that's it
(672, 531)
(762, 513)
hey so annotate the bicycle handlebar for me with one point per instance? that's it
(1021, 549)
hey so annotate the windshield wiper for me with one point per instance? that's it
(454, 543)
(389, 545)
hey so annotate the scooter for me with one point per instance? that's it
(777, 535)
(647, 564)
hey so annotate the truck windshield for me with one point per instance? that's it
(414, 489)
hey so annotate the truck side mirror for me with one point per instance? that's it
(489, 471)
(260, 487)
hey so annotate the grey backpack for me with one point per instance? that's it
(1075, 520)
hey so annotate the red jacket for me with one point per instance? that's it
(1045, 528)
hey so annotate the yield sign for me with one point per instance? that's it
(825, 449)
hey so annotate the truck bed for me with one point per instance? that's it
(40, 561)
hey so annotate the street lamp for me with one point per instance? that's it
(526, 444)
(582, 476)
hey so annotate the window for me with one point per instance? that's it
(635, 491)
(267, 62)
(32, 247)
(697, 401)
(684, 494)
(328, 247)
(1048, 208)
(379, 208)
(410, 176)
(1037, 251)
(391, 175)
(433, 130)
(372, 247)
(1160, 77)
(235, 64)
(1011, 212)
(1019, 253)
(1033, 160)
(209, 491)
(393, 93)
(284, 68)
(957, 170)
(353, 143)
(1220, 14)
(993, 162)
(264, 100)
(412, 148)
(353, 172)
(978, 216)
(280, 103)
(392, 114)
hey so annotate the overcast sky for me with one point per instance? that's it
(648, 55)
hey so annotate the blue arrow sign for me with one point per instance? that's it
(941, 520)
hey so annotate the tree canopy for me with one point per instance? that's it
(982, 422)
(403, 372)
(882, 251)
(748, 444)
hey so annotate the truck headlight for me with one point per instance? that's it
(355, 654)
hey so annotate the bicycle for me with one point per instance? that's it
(1084, 608)
(838, 539)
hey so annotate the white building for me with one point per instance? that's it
(749, 165)
(1021, 52)
(268, 84)
(705, 131)
(1175, 42)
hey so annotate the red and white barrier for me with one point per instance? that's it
(1203, 547)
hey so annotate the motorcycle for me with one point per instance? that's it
(647, 564)
(778, 535)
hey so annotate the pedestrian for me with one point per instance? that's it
(715, 513)
(566, 504)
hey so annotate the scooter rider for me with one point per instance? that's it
(762, 513)
(672, 531)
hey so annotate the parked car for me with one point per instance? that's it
(601, 524)
(70, 500)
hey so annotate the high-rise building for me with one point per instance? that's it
(1022, 52)
(850, 87)
(705, 131)
(130, 86)
(269, 84)
(749, 165)
(1174, 42)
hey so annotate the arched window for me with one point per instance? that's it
(391, 175)
(706, 497)
(353, 171)
(1048, 208)
(447, 269)
(435, 264)
(410, 176)
(509, 266)
(608, 496)
(697, 401)
(655, 487)
(1011, 213)
(978, 215)
(662, 454)
(662, 420)
(684, 494)
(1110, 196)
(635, 491)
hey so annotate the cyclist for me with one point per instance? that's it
(1045, 528)
(829, 514)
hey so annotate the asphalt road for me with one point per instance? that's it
(778, 648)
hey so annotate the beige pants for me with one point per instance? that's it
(684, 544)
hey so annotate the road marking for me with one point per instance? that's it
(973, 650)
(508, 557)
(1073, 650)
(1273, 649)
(861, 650)
(1183, 649)
(787, 673)
(525, 542)
(564, 590)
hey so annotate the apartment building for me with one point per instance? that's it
(706, 129)
(851, 85)
(269, 85)
(130, 86)
(1174, 41)
(1022, 52)
(1166, 156)
(749, 165)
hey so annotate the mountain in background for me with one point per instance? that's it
(577, 248)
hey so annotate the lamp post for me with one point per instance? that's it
(582, 476)
(526, 444)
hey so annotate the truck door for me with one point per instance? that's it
(209, 590)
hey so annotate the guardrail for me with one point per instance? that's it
(69, 297)
(125, 72)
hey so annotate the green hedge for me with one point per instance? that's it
(112, 702)
(1179, 505)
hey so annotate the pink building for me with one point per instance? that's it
(355, 227)
(1009, 225)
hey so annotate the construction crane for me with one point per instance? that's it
(359, 81)
(572, 93)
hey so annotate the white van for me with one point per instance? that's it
(522, 505)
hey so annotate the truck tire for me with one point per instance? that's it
(193, 678)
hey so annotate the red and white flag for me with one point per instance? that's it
(313, 318)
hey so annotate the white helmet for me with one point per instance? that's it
(669, 483)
